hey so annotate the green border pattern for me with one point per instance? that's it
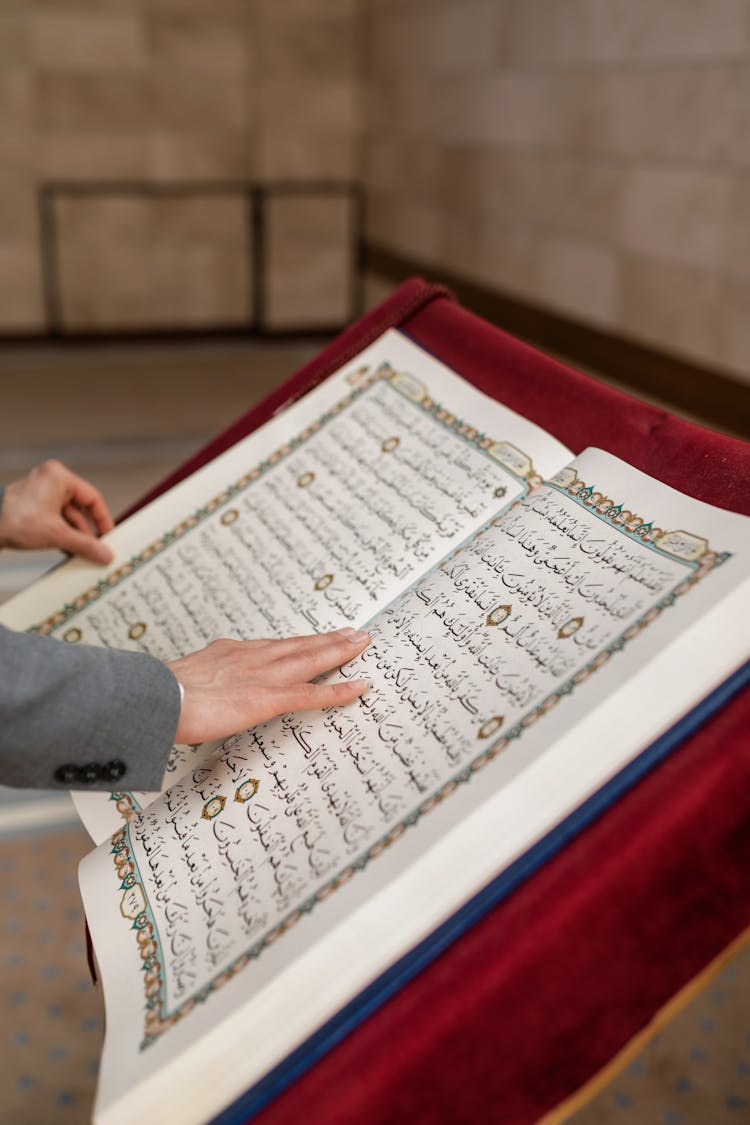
(126, 802)
(157, 1018)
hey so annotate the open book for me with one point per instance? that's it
(538, 619)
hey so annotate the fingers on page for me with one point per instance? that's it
(314, 655)
(314, 697)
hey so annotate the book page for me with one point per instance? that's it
(316, 521)
(507, 685)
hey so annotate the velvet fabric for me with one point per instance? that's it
(527, 1006)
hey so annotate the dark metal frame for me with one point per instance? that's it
(257, 196)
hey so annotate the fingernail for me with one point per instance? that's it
(361, 685)
(356, 636)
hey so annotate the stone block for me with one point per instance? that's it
(679, 112)
(21, 302)
(736, 248)
(309, 261)
(92, 154)
(106, 41)
(677, 214)
(180, 98)
(83, 101)
(734, 327)
(163, 261)
(672, 306)
(580, 279)
(575, 32)
(14, 38)
(308, 131)
(206, 155)
(191, 41)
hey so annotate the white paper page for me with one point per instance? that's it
(316, 521)
(281, 857)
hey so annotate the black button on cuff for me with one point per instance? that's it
(114, 770)
(90, 773)
(66, 775)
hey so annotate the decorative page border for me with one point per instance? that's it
(680, 546)
(512, 460)
(507, 455)
(694, 553)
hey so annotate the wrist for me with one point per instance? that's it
(9, 517)
(178, 739)
(2, 497)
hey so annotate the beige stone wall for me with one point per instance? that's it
(592, 156)
(168, 93)
(589, 155)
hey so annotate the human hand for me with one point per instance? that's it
(52, 507)
(232, 685)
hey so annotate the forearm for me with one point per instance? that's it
(79, 717)
(75, 716)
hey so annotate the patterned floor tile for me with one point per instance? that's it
(51, 1016)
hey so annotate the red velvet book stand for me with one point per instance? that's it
(524, 1008)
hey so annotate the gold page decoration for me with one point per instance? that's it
(498, 615)
(570, 628)
(403, 383)
(491, 726)
(159, 1018)
(247, 790)
(495, 732)
(681, 544)
(213, 807)
(354, 378)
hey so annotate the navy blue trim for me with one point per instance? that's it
(392, 980)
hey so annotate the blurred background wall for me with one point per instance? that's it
(157, 113)
(590, 158)
(589, 155)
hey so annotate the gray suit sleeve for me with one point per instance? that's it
(80, 717)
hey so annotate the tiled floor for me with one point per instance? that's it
(695, 1070)
(51, 1015)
